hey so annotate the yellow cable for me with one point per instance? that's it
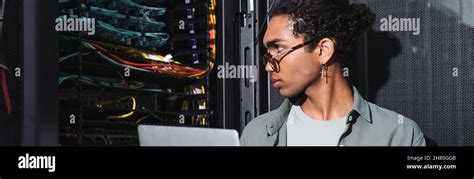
(142, 118)
(139, 53)
(158, 58)
(137, 86)
(134, 106)
(203, 89)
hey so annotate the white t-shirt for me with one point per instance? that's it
(302, 130)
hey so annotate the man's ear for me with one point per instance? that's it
(325, 50)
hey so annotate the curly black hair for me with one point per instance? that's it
(335, 19)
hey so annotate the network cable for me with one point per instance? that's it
(123, 116)
(160, 10)
(86, 79)
(6, 95)
(151, 67)
(161, 37)
(4, 67)
(151, 56)
(92, 81)
(62, 59)
(164, 68)
(141, 119)
(133, 109)
(111, 60)
(117, 15)
(3, 64)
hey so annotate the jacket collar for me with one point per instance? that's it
(279, 117)
(361, 105)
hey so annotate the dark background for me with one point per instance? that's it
(413, 75)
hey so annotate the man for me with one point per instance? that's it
(307, 42)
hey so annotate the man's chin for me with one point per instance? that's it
(291, 93)
(286, 93)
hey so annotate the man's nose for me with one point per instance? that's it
(268, 67)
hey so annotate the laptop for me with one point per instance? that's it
(152, 135)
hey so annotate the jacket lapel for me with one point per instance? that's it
(276, 130)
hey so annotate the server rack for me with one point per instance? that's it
(149, 62)
(55, 99)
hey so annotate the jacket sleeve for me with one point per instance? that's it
(418, 137)
(243, 140)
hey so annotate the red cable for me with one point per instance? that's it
(152, 67)
(5, 92)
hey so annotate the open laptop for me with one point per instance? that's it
(151, 135)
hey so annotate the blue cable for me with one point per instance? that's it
(116, 14)
(160, 10)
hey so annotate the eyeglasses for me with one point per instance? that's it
(275, 63)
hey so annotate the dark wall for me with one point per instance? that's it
(413, 74)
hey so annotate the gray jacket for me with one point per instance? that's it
(367, 125)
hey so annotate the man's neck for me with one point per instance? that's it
(328, 101)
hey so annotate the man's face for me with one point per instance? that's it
(298, 69)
